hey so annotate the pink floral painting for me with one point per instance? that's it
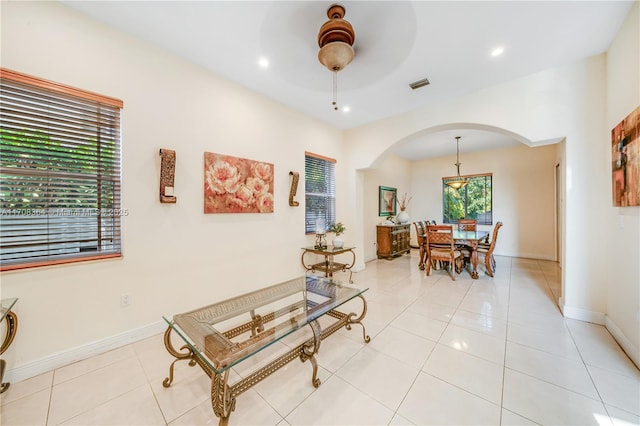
(237, 185)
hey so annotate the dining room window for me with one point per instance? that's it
(320, 191)
(472, 201)
(60, 177)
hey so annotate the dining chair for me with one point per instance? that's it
(421, 229)
(467, 225)
(486, 250)
(440, 247)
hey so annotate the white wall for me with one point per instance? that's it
(394, 172)
(622, 224)
(174, 256)
(523, 195)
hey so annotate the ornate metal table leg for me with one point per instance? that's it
(358, 320)
(222, 401)
(307, 267)
(310, 349)
(179, 356)
(258, 325)
(328, 262)
(353, 262)
(12, 328)
(474, 260)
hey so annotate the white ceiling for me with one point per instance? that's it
(397, 42)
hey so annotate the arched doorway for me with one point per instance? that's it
(524, 201)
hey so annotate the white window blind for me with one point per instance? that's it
(60, 177)
(320, 191)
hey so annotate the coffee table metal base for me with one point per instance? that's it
(223, 395)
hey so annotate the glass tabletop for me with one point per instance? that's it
(328, 249)
(228, 332)
(469, 235)
(6, 305)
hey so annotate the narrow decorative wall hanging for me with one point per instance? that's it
(237, 185)
(167, 175)
(625, 161)
(294, 188)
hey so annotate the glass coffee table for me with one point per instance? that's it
(220, 336)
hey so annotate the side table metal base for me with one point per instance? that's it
(12, 326)
(3, 386)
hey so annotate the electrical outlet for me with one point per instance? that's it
(125, 300)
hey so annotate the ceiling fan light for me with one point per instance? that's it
(336, 55)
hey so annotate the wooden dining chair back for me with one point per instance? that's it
(440, 247)
(467, 225)
(421, 230)
(486, 250)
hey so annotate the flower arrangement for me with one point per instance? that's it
(338, 228)
(403, 202)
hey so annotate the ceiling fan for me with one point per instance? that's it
(335, 38)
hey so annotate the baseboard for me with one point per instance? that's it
(60, 359)
(632, 352)
(602, 319)
(582, 314)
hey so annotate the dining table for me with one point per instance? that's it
(470, 239)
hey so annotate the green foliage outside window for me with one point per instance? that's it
(473, 201)
(33, 164)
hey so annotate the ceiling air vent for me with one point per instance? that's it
(418, 84)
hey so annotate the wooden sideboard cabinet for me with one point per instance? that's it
(393, 240)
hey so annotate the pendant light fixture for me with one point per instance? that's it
(335, 38)
(457, 182)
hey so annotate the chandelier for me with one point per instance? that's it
(457, 182)
(335, 38)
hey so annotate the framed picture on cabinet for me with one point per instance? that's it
(387, 201)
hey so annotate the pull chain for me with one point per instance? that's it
(335, 90)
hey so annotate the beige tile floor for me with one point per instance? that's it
(482, 352)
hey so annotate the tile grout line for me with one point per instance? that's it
(573, 339)
(506, 334)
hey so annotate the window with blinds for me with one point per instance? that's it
(60, 178)
(320, 191)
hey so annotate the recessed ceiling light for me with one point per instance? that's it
(346, 109)
(497, 51)
(263, 62)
